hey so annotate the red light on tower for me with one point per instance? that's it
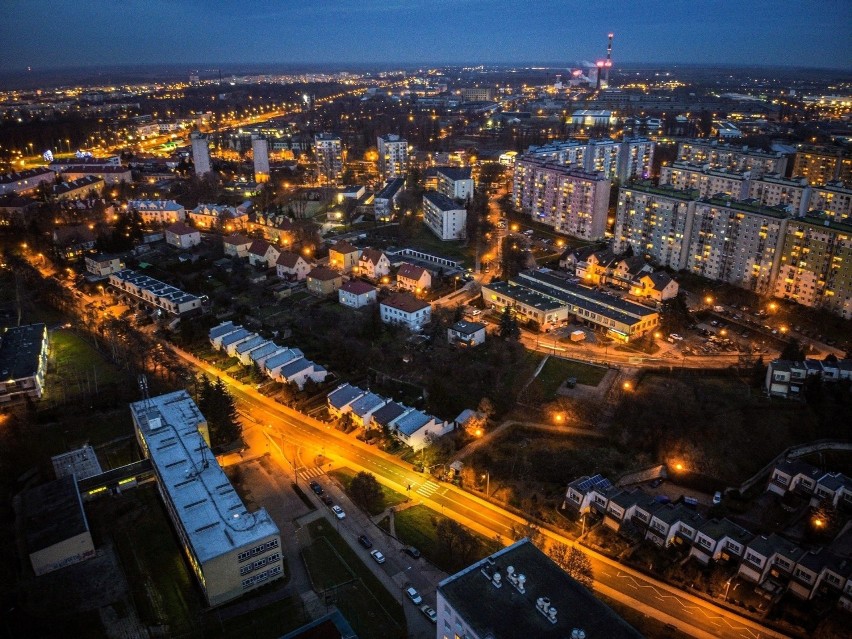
(600, 64)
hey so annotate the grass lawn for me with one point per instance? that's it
(75, 361)
(163, 588)
(326, 568)
(345, 476)
(416, 526)
(373, 611)
(269, 622)
(557, 370)
(423, 239)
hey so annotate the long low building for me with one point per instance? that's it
(23, 362)
(230, 550)
(155, 293)
(551, 300)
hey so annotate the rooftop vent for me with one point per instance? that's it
(542, 604)
(154, 423)
(497, 580)
(578, 633)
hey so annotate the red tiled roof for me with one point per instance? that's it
(179, 228)
(371, 255)
(259, 247)
(344, 248)
(410, 271)
(323, 274)
(405, 303)
(357, 287)
(288, 259)
(236, 239)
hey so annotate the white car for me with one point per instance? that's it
(415, 597)
(378, 556)
(429, 611)
(338, 512)
(676, 337)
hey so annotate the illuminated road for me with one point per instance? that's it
(313, 438)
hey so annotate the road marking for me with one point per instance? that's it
(310, 473)
(428, 488)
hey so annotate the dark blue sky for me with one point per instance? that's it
(71, 33)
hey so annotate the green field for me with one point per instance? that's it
(373, 611)
(417, 526)
(345, 476)
(557, 370)
(77, 362)
(327, 570)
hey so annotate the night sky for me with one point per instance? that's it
(72, 33)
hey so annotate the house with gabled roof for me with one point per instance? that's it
(218, 332)
(363, 408)
(769, 555)
(415, 428)
(385, 415)
(343, 257)
(258, 355)
(719, 539)
(794, 475)
(323, 281)
(181, 235)
(241, 352)
(658, 286)
(373, 264)
(262, 253)
(236, 245)
(340, 399)
(356, 293)
(299, 371)
(581, 493)
(405, 309)
(413, 278)
(274, 364)
(291, 266)
(230, 341)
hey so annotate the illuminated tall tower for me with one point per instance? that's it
(200, 153)
(260, 151)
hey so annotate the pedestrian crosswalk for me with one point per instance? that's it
(310, 473)
(427, 488)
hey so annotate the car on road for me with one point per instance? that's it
(411, 551)
(675, 337)
(328, 501)
(415, 597)
(429, 611)
(338, 512)
(365, 541)
(316, 488)
(378, 556)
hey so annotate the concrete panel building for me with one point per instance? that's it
(393, 156)
(231, 550)
(731, 157)
(328, 149)
(444, 217)
(260, 156)
(200, 154)
(23, 363)
(709, 182)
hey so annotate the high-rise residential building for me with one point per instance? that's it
(625, 160)
(655, 221)
(519, 592)
(823, 164)
(720, 155)
(260, 154)
(393, 156)
(570, 200)
(23, 363)
(736, 242)
(478, 94)
(328, 149)
(816, 264)
(706, 180)
(602, 157)
(230, 550)
(200, 153)
(444, 217)
(635, 159)
(455, 182)
(776, 190)
(834, 199)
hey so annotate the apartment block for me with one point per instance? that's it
(328, 149)
(823, 164)
(393, 156)
(443, 216)
(706, 180)
(655, 221)
(455, 182)
(629, 159)
(732, 157)
(572, 201)
(635, 159)
(815, 266)
(773, 189)
(834, 200)
(736, 242)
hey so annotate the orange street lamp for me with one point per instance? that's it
(708, 299)
(627, 386)
(678, 466)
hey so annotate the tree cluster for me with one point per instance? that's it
(217, 405)
(367, 493)
(573, 561)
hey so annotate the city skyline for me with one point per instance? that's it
(66, 34)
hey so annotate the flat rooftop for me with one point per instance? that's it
(51, 513)
(211, 513)
(20, 348)
(506, 613)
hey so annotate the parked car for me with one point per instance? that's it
(717, 498)
(338, 512)
(676, 337)
(429, 612)
(328, 501)
(378, 556)
(412, 552)
(414, 596)
(365, 541)
(316, 488)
